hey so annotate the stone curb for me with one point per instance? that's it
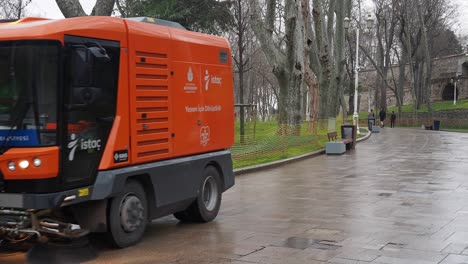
(282, 162)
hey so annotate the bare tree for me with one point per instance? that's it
(13, 9)
(241, 27)
(328, 58)
(420, 21)
(286, 59)
(386, 26)
(256, 88)
(405, 33)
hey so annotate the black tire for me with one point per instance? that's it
(206, 207)
(127, 234)
(183, 216)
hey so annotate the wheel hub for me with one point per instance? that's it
(210, 193)
(131, 213)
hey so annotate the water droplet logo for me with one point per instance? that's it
(190, 74)
(190, 86)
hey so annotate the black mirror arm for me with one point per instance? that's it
(101, 49)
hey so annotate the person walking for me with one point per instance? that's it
(392, 119)
(382, 116)
(371, 119)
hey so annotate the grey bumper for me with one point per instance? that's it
(47, 200)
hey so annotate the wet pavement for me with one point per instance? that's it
(400, 197)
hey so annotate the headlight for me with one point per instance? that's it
(11, 166)
(24, 164)
(37, 162)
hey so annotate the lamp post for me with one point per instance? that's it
(369, 25)
(454, 83)
(347, 22)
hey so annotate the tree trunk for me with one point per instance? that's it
(20, 8)
(426, 76)
(310, 78)
(336, 82)
(295, 33)
(406, 41)
(240, 67)
(103, 8)
(323, 52)
(73, 8)
(288, 67)
(401, 81)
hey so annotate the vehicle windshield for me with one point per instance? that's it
(28, 93)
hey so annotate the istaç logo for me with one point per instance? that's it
(73, 144)
(212, 79)
(77, 141)
(207, 80)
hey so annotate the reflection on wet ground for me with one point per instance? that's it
(400, 197)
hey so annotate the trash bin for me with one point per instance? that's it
(349, 131)
(436, 125)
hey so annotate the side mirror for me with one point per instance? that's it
(81, 67)
(83, 61)
(99, 53)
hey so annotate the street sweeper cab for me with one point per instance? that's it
(108, 123)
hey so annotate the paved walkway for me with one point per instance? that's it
(400, 197)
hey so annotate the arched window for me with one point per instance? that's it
(447, 94)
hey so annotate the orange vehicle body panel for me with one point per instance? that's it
(162, 122)
(204, 106)
(150, 98)
(94, 27)
(175, 93)
(48, 169)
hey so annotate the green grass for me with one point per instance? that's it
(262, 129)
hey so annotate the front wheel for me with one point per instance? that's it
(128, 215)
(206, 207)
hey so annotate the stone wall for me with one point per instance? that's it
(444, 70)
(449, 119)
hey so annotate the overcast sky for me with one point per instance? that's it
(462, 19)
(48, 8)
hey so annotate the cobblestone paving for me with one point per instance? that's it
(400, 197)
